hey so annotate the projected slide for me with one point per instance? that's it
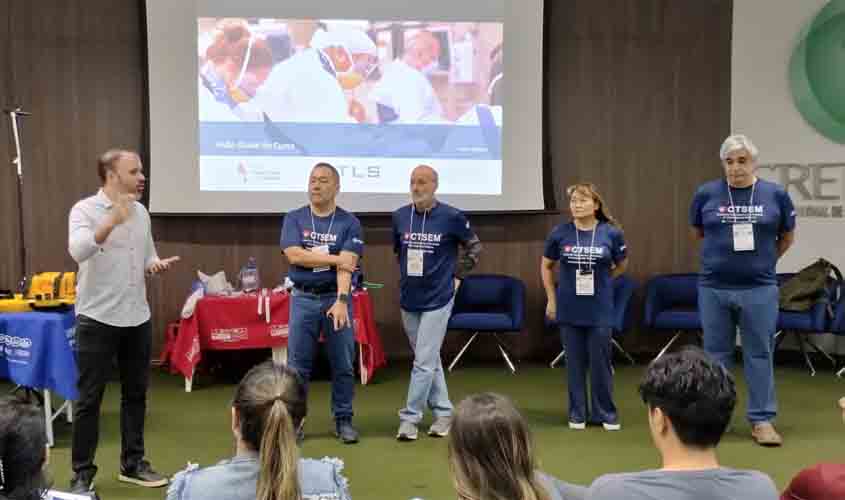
(374, 98)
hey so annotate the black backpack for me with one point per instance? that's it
(810, 286)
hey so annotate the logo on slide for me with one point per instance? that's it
(817, 72)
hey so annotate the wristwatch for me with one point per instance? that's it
(343, 297)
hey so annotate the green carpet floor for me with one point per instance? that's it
(195, 427)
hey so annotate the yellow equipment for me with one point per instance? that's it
(51, 290)
(13, 304)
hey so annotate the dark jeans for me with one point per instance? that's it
(307, 319)
(97, 344)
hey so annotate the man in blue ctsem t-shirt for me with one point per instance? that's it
(323, 243)
(745, 225)
(426, 237)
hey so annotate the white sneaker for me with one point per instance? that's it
(407, 431)
(577, 426)
(440, 427)
(612, 427)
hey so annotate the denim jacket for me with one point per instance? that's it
(236, 478)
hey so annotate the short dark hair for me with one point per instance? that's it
(694, 391)
(22, 449)
(107, 161)
(329, 166)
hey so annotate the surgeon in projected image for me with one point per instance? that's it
(404, 94)
(309, 86)
(236, 64)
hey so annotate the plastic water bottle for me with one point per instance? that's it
(249, 276)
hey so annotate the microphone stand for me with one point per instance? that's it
(14, 117)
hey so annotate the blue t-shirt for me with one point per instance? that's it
(340, 231)
(574, 252)
(437, 233)
(771, 214)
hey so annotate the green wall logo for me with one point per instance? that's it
(817, 72)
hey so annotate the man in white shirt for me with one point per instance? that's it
(404, 94)
(109, 236)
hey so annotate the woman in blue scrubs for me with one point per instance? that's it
(591, 251)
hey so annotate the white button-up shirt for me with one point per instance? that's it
(110, 286)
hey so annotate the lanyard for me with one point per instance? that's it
(413, 209)
(750, 201)
(331, 221)
(592, 244)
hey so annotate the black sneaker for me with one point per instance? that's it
(82, 483)
(345, 432)
(143, 475)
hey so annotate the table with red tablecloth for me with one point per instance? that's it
(226, 323)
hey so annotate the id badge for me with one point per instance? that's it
(743, 237)
(415, 262)
(585, 283)
(322, 249)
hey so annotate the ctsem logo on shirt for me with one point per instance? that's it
(817, 72)
(319, 237)
(742, 209)
(424, 237)
(583, 250)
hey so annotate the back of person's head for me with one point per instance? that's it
(270, 403)
(824, 481)
(23, 450)
(695, 392)
(491, 452)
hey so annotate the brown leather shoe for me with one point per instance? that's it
(764, 434)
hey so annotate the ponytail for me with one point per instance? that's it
(279, 457)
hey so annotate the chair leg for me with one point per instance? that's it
(803, 348)
(622, 351)
(820, 351)
(507, 359)
(503, 348)
(667, 346)
(840, 372)
(779, 336)
(560, 356)
(462, 351)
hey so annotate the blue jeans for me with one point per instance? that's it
(426, 331)
(307, 319)
(589, 346)
(755, 311)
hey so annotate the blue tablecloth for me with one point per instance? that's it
(37, 351)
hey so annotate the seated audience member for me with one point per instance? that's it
(23, 452)
(820, 482)
(491, 455)
(690, 399)
(268, 408)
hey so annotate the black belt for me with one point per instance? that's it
(318, 289)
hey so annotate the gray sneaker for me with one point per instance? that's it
(407, 431)
(440, 427)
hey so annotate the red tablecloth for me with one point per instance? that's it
(222, 323)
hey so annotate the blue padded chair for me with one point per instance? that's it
(802, 324)
(490, 304)
(623, 290)
(837, 324)
(672, 304)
